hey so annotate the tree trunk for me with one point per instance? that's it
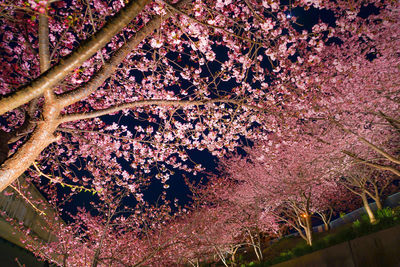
(221, 257)
(65, 257)
(327, 227)
(371, 215)
(378, 203)
(326, 218)
(233, 259)
(255, 247)
(259, 247)
(308, 229)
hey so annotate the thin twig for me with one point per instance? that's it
(27, 200)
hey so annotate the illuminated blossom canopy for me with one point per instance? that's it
(108, 96)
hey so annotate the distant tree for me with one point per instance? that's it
(366, 183)
(114, 236)
(353, 91)
(289, 181)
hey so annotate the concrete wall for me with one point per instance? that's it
(16, 207)
(381, 249)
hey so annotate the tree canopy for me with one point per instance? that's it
(296, 101)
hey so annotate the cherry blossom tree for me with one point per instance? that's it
(171, 84)
(101, 95)
(289, 180)
(366, 183)
(177, 80)
(336, 199)
(354, 88)
(202, 234)
(251, 225)
(355, 99)
(115, 235)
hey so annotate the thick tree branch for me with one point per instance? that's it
(379, 150)
(369, 144)
(42, 136)
(54, 75)
(44, 60)
(157, 102)
(16, 165)
(108, 69)
(44, 46)
(375, 165)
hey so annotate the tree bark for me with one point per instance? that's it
(326, 226)
(44, 44)
(16, 165)
(27, 126)
(4, 149)
(233, 259)
(308, 229)
(256, 247)
(368, 209)
(221, 257)
(378, 202)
